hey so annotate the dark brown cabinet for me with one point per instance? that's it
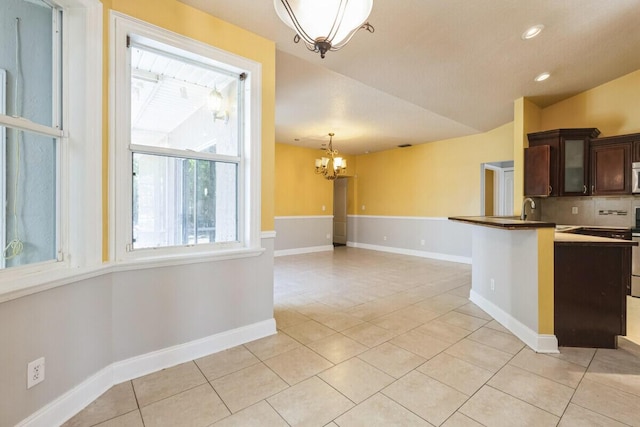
(611, 166)
(537, 166)
(591, 283)
(568, 164)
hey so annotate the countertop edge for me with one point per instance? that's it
(504, 223)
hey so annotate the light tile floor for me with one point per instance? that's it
(375, 339)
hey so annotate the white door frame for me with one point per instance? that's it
(499, 207)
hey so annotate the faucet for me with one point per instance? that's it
(524, 205)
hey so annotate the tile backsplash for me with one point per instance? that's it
(603, 211)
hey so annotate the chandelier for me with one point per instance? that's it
(325, 25)
(331, 166)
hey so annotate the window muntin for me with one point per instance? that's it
(186, 122)
(30, 159)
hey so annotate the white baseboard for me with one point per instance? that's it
(298, 251)
(539, 343)
(73, 401)
(412, 252)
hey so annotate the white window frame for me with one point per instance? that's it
(79, 225)
(120, 184)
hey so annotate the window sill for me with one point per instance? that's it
(59, 275)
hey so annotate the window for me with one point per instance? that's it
(31, 131)
(186, 146)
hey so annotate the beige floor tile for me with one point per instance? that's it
(551, 368)
(577, 416)
(337, 348)
(225, 362)
(457, 373)
(266, 348)
(620, 376)
(460, 420)
(337, 321)
(442, 303)
(310, 403)
(380, 411)
(545, 394)
(199, 406)
(462, 320)
(461, 291)
(498, 340)
(444, 331)
(308, 331)
(287, 318)
(165, 383)
(297, 365)
(396, 322)
(419, 314)
(368, 334)
(425, 397)
(371, 310)
(392, 359)
(577, 355)
(492, 407)
(118, 400)
(356, 379)
(421, 344)
(473, 310)
(497, 326)
(608, 401)
(131, 419)
(479, 354)
(248, 386)
(261, 414)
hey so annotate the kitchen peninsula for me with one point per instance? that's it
(580, 302)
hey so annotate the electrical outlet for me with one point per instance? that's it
(384, 238)
(324, 208)
(422, 242)
(35, 372)
(363, 207)
(574, 210)
(328, 236)
(493, 285)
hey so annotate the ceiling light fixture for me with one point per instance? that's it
(325, 25)
(331, 166)
(542, 77)
(532, 32)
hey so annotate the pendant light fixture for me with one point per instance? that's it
(331, 166)
(324, 25)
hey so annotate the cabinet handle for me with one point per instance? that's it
(593, 189)
(550, 189)
(584, 189)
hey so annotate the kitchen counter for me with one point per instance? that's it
(503, 222)
(562, 238)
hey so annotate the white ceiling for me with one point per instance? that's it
(438, 69)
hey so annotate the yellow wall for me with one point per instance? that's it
(298, 190)
(526, 119)
(435, 179)
(613, 107)
(182, 19)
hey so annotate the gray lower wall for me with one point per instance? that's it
(302, 233)
(441, 237)
(83, 327)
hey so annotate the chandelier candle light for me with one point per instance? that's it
(325, 25)
(331, 167)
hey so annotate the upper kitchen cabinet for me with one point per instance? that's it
(611, 165)
(568, 162)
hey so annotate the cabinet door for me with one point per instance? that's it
(537, 170)
(611, 169)
(574, 169)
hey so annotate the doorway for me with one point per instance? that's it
(340, 212)
(497, 189)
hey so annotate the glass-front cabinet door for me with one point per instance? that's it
(575, 172)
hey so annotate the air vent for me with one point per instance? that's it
(404, 145)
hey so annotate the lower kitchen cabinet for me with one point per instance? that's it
(591, 283)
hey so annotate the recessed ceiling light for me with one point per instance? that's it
(532, 32)
(542, 77)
